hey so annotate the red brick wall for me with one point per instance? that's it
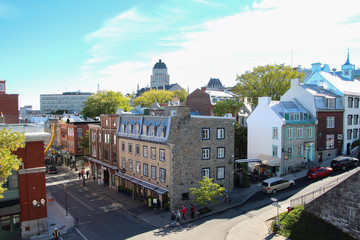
(338, 129)
(9, 106)
(199, 101)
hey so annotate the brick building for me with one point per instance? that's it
(9, 104)
(23, 209)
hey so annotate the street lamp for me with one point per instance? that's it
(36, 205)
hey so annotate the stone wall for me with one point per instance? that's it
(340, 206)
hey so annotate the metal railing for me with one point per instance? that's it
(306, 198)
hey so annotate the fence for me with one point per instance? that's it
(306, 198)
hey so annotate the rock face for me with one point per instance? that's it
(340, 206)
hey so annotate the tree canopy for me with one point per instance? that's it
(104, 102)
(207, 192)
(84, 142)
(160, 96)
(228, 106)
(270, 80)
(9, 142)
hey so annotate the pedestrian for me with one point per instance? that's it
(192, 209)
(178, 217)
(79, 174)
(82, 173)
(173, 219)
(183, 211)
(56, 234)
(87, 174)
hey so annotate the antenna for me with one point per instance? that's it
(291, 58)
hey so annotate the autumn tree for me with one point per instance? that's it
(228, 106)
(84, 142)
(270, 80)
(9, 142)
(208, 191)
(160, 96)
(104, 102)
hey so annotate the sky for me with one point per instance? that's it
(51, 47)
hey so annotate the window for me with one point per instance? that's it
(106, 122)
(185, 196)
(100, 155)
(300, 151)
(275, 133)
(130, 147)
(137, 149)
(2, 87)
(107, 137)
(289, 133)
(106, 154)
(138, 171)
(93, 150)
(350, 102)
(287, 116)
(162, 175)
(330, 139)
(5, 223)
(350, 117)
(145, 151)
(274, 151)
(330, 122)
(79, 132)
(349, 133)
(356, 119)
(220, 133)
(123, 147)
(162, 154)
(355, 134)
(99, 137)
(309, 132)
(330, 102)
(153, 153)
(220, 172)
(356, 103)
(306, 116)
(130, 165)
(153, 172)
(290, 151)
(206, 153)
(220, 152)
(297, 116)
(114, 122)
(114, 139)
(205, 133)
(146, 169)
(114, 156)
(205, 172)
(300, 132)
(93, 136)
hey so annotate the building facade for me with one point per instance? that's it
(160, 76)
(72, 102)
(9, 105)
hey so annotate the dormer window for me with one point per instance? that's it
(287, 116)
(330, 103)
(297, 116)
(306, 116)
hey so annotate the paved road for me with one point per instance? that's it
(96, 217)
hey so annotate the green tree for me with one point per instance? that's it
(228, 106)
(270, 80)
(152, 96)
(182, 94)
(207, 192)
(104, 102)
(9, 142)
(84, 142)
(240, 141)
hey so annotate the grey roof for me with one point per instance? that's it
(159, 64)
(292, 106)
(214, 83)
(321, 95)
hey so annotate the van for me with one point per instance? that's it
(272, 185)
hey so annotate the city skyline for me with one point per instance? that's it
(54, 47)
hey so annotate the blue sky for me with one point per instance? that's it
(57, 46)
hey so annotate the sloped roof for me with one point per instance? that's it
(214, 83)
(160, 64)
(215, 93)
(347, 87)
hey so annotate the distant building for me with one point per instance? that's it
(160, 76)
(9, 105)
(214, 84)
(72, 102)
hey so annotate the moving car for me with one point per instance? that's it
(317, 172)
(51, 169)
(272, 185)
(343, 163)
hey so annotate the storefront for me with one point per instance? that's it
(103, 172)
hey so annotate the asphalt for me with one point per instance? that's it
(255, 228)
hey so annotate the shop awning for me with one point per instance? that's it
(161, 190)
(269, 160)
(103, 163)
(124, 176)
(135, 180)
(147, 185)
(248, 160)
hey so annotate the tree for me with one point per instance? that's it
(9, 142)
(270, 80)
(160, 96)
(228, 106)
(207, 192)
(104, 102)
(240, 141)
(84, 142)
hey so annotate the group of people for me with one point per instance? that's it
(81, 174)
(175, 217)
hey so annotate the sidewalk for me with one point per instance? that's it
(161, 218)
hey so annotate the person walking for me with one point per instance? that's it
(192, 209)
(79, 174)
(183, 211)
(178, 215)
(56, 234)
(173, 219)
(87, 174)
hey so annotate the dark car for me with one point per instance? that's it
(317, 172)
(51, 169)
(344, 163)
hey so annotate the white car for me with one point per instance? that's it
(272, 185)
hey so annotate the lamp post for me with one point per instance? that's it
(36, 205)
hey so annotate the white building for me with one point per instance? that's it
(160, 76)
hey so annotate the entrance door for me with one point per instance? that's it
(320, 157)
(106, 177)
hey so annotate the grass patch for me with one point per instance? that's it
(300, 225)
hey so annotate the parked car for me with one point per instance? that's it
(317, 172)
(272, 185)
(51, 169)
(343, 162)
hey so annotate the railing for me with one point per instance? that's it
(306, 198)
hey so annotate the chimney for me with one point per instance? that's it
(2, 118)
(203, 89)
(315, 67)
(295, 82)
(264, 100)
